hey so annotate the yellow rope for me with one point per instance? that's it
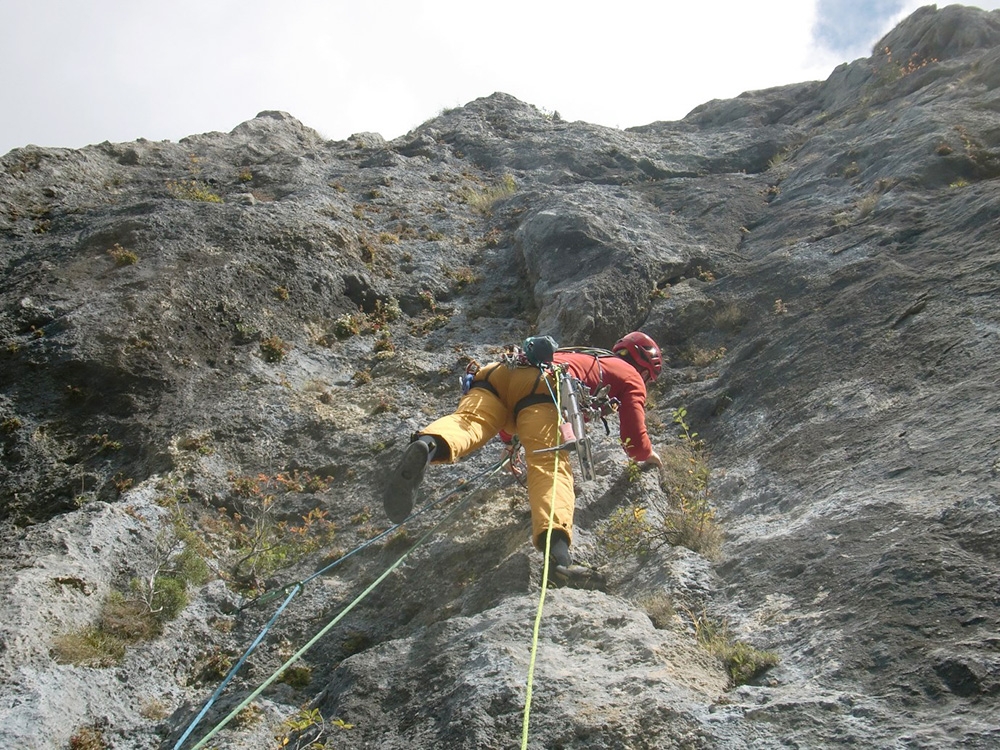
(545, 579)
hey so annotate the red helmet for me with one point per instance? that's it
(642, 352)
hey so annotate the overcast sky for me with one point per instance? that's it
(78, 72)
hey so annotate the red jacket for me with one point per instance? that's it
(626, 384)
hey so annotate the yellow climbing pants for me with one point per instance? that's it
(484, 411)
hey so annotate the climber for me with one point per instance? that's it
(518, 401)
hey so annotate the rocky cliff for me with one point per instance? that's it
(211, 351)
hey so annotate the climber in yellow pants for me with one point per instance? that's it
(483, 413)
(518, 400)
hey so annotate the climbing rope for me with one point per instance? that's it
(323, 631)
(275, 593)
(238, 665)
(545, 574)
(293, 589)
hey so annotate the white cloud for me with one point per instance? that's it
(119, 70)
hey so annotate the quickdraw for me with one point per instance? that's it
(514, 455)
(572, 427)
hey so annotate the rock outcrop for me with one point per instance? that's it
(212, 351)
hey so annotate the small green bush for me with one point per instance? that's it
(121, 256)
(128, 618)
(384, 344)
(660, 609)
(89, 647)
(462, 277)
(346, 326)
(385, 313)
(190, 566)
(89, 737)
(192, 190)
(297, 676)
(274, 349)
(681, 516)
(626, 532)
(700, 357)
(169, 597)
(688, 515)
(742, 661)
(425, 325)
(252, 542)
(212, 667)
(729, 317)
(306, 730)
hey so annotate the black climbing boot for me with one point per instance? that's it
(577, 576)
(401, 491)
(564, 572)
(559, 556)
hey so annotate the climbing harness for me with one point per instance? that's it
(291, 590)
(580, 405)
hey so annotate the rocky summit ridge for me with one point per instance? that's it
(211, 352)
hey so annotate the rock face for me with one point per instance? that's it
(213, 350)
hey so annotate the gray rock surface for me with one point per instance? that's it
(819, 262)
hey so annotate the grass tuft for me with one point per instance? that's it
(742, 661)
(192, 190)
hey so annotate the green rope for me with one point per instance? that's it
(312, 641)
(545, 582)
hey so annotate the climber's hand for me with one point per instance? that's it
(654, 461)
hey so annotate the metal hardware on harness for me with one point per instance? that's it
(513, 357)
(573, 429)
(600, 405)
(572, 390)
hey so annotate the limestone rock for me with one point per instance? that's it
(215, 350)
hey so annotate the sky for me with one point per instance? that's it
(79, 72)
